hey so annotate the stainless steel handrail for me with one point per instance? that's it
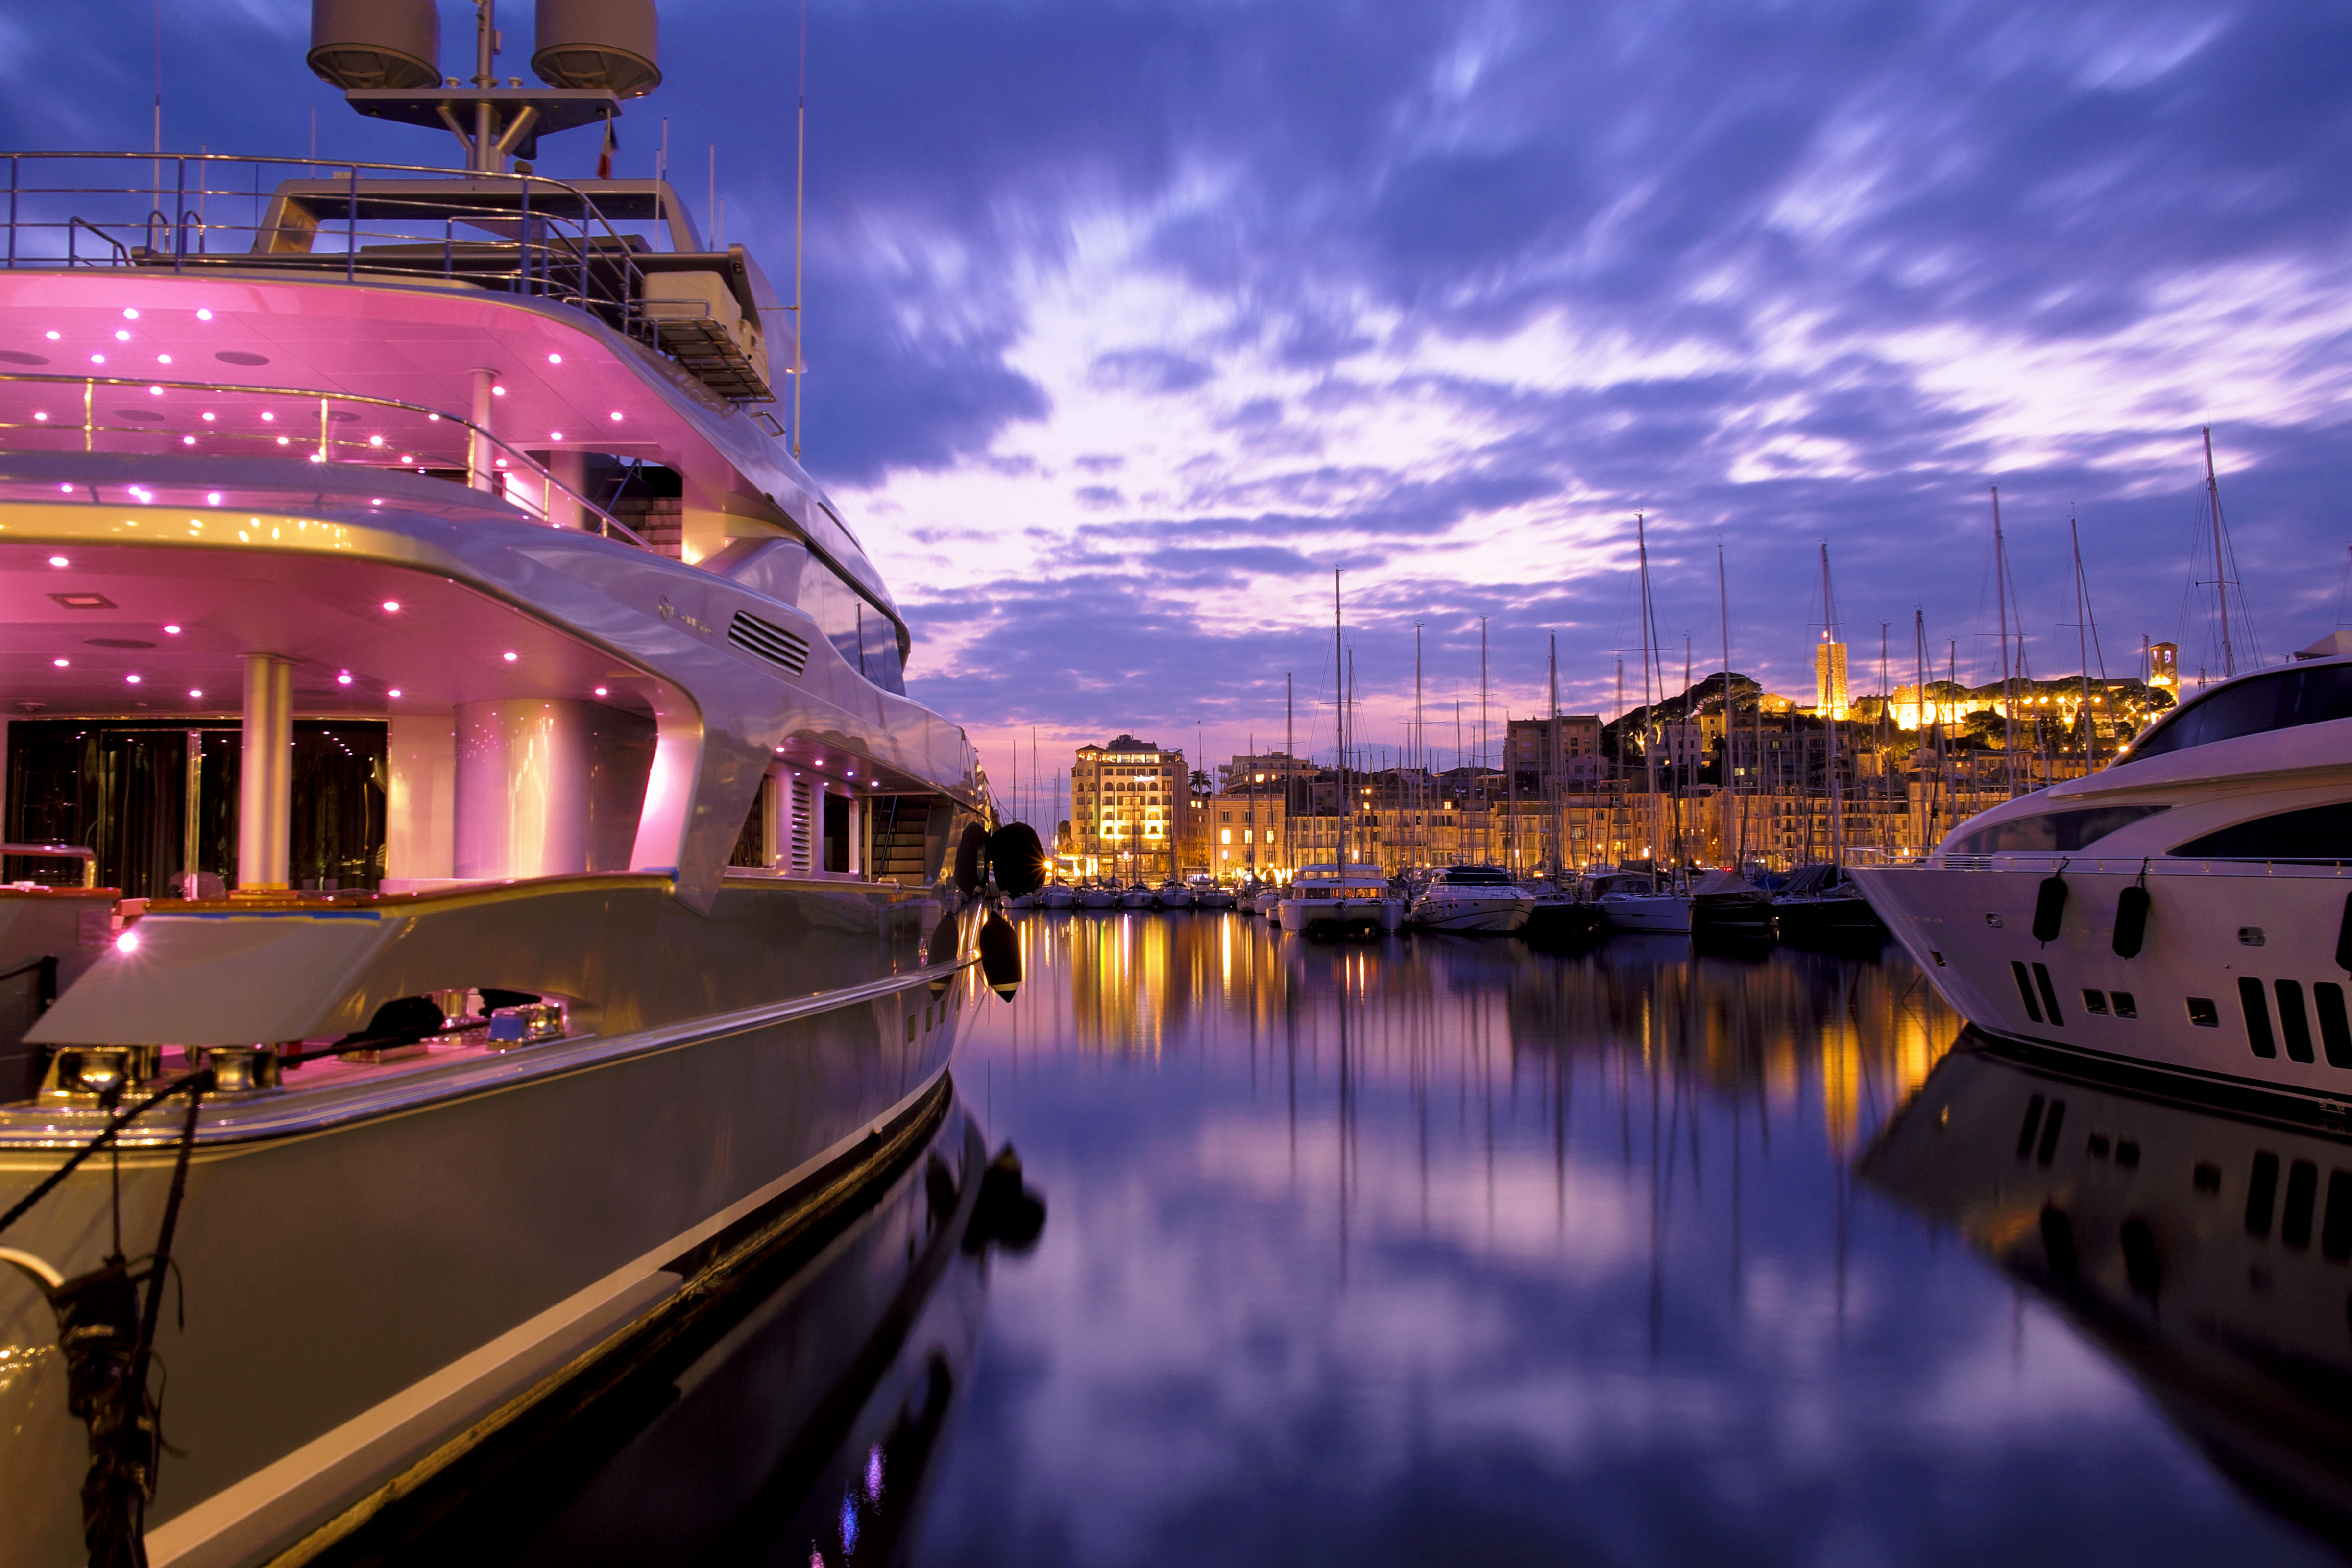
(89, 858)
(609, 525)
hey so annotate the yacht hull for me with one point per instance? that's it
(371, 1271)
(1651, 913)
(2236, 982)
(1482, 916)
(1311, 916)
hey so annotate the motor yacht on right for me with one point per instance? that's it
(2184, 910)
(1481, 898)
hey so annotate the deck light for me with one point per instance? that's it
(599, 691)
(267, 417)
(204, 314)
(555, 359)
(405, 460)
(195, 692)
(376, 441)
(40, 419)
(131, 680)
(187, 441)
(127, 943)
(172, 630)
(59, 560)
(65, 489)
(318, 458)
(163, 359)
(282, 441)
(212, 498)
(121, 336)
(130, 313)
(344, 679)
(207, 418)
(392, 606)
(98, 359)
(498, 391)
(394, 693)
(154, 391)
(52, 337)
(510, 655)
(61, 664)
(555, 436)
(617, 416)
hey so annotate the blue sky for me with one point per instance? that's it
(1130, 321)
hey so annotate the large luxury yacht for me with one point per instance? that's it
(474, 873)
(2185, 912)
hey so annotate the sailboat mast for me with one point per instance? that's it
(1289, 774)
(2220, 573)
(2008, 690)
(1829, 702)
(1649, 751)
(1558, 767)
(1739, 835)
(1485, 847)
(1340, 713)
(2082, 647)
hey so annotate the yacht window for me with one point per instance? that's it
(861, 635)
(2281, 699)
(2313, 833)
(2052, 831)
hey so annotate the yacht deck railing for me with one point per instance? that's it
(41, 413)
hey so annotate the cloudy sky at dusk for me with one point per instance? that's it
(1130, 321)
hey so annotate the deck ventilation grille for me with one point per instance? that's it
(769, 641)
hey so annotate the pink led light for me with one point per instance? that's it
(344, 679)
(187, 441)
(163, 359)
(601, 691)
(130, 314)
(208, 419)
(376, 441)
(394, 693)
(127, 943)
(204, 315)
(212, 498)
(498, 391)
(193, 692)
(59, 560)
(392, 607)
(555, 359)
(121, 336)
(65, 489)
(283, 440)
(173, 630)
(40, 418)
(52, 337)
(266, 418)
(62, 664)
(98, 359)
(406, 460)
(154, 391)
(555, 436)
(510, 655)
(131, 680)
(617, 416)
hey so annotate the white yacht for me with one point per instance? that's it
(1473, 898)
(464, 804)
(2184, 910)
(1331, 900)
(1638, 901)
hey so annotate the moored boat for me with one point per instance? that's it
(1727, 906)
(1479, 899)
(1332, 900)
(540, 885)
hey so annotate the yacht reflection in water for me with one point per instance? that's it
(2207, 1254)
(793, 1420)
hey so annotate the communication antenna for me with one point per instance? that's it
(799, 195)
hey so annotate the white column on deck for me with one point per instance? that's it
(264, 820)
(481, 458)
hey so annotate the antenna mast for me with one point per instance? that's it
(2221, 571)
(800, 193)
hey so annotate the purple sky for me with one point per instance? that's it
(1130, 321)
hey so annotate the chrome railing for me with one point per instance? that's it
(186, 418)
(203, 211)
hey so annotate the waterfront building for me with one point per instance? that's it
(2164, 667)
(1263, 770)
(1247, 834)
(1528, 751)
(1126, 801)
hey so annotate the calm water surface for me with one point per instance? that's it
(1446, 1250)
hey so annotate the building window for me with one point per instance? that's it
(1225, 836)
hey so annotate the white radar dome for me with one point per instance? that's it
(598, 43)
(376, 43)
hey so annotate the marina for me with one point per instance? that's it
(973, 797)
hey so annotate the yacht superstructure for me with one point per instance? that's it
(463, 799)
(2186, 909)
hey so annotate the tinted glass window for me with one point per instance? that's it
(2280, 700)
(2059, 831)
(2314, 833)
(861, 635)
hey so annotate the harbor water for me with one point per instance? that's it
(1446, 1249)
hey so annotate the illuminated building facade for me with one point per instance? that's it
(1829, 679)
(1127, 801)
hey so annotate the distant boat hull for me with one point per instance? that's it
(1657, 913)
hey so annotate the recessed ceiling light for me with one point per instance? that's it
(212, 498)
(52, 337)
(133, 680)
(510, 655)
(163, 359)
(555, 436)
(204, 315)
(130, 313)
(498, 391)
(127, 943)
(59, 560)
(98, 359)
(187, 441)
(394, 693)
(154, 391)
(193, 692)
(617, 416)
(555, 359)
(207, 419)
(61, 664)
(268, 418)
(599, 691)
(40, 419)
(171, 631)
(344, 679)
(121, 336)
(392, 606)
